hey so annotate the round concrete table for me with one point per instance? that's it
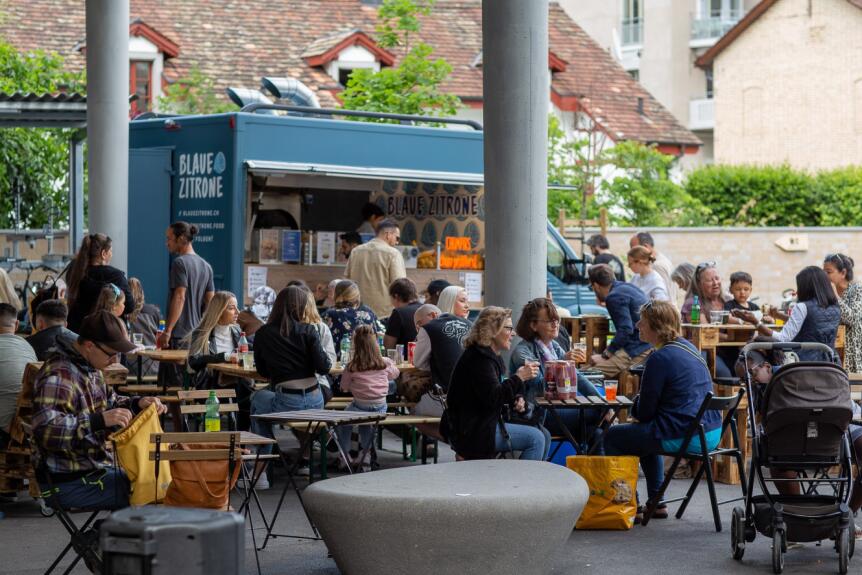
(496, 516)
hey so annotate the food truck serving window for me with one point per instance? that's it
(266, 168)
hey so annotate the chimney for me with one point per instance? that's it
(641, 105)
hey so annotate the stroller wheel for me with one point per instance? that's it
(778, 551)
(737, 533)
(843, 550)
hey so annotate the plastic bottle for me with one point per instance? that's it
(159, 333)
(345, 350)
(695, 310)
(380, 343)
(243, 343)
(212, 420)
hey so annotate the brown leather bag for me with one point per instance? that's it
(201, 484)
(413, 385)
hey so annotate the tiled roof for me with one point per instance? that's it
(326, 43)
(237, 43)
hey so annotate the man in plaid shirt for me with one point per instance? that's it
(74, 412)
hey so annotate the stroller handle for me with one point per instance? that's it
(790, 346)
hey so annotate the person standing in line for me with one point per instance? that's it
(601, 250)
(89, 272)
(191, 288)
(375, 265)
(662, 264)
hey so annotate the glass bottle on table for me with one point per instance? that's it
(695, 310)
(345, 350)
(212, 419)
(159, 333)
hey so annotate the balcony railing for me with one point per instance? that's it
(633, 32)
(701, 114)
(714, 27)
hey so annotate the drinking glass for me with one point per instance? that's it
(610, 390)
(393, 355)
(248, 361)
(138, 339)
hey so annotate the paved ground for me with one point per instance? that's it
(29, 542)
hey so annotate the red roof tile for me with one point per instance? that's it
(237, 43)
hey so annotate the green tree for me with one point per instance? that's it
(35, 160)
(640, 192)
(194, 94)
(411, 87)
(572, 164)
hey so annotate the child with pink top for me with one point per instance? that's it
(367, 378)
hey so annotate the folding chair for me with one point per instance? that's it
(705, 457)
(190, 405)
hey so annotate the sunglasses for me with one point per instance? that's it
(703, 267)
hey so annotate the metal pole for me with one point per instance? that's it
(515, 68)
(108, 121)
(76, 190)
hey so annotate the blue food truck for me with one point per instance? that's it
(270, 195)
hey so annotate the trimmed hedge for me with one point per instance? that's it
(777, 196)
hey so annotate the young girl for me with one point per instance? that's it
(367, 377)
(112, 300)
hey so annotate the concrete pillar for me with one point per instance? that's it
(108, 121)
(76, 190)
(516, 96)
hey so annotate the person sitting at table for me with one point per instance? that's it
(216, 340)
(623, 302)
(74, 412)
(400, 328)
(538, 328)
(814, 318)
(50, 320)
(839, 270)
(88, 273)
(312, 317)
(112, 300)
(674, 384)
(711, 297)
(366, 377)
(439, 342)
(478, 393)
(348, 313)
(644, 277)
(683, 277)
(287, 351)
(15, 354)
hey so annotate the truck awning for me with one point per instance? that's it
(268, 168)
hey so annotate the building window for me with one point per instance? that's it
(344, 75)
(633, 22)
(140, 80)
(714, 18)
(724, 9)
(709, 85)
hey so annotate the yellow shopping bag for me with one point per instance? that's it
(132, 450)
(613, 487)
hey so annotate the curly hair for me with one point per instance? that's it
(487, 326)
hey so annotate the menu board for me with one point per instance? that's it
(291, 246)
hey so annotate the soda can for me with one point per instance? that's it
(411, 347)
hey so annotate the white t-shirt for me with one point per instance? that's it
(652, 285)
(223, 339)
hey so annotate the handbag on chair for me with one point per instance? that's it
(202, 483)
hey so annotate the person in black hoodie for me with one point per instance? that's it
(89, 273)
(478, 394)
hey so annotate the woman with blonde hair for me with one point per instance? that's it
(645, 278)
(348, 313)
(453, 300)
(7, 291)
(312, 317)
(88, 274)
(478, 393)
(673, 385)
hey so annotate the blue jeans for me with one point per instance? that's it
(637, 439)
(532, 442)
(268, 401)
(366, 440)
(106, 488)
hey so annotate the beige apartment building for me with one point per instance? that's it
(788, 85)
(657, 42)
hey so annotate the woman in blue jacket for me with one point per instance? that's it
(674, 384)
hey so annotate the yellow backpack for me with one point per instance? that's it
(132, 450)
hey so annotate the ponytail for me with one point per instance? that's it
(92, 247)
(184, 230)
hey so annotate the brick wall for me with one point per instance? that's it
(789, 89)
(747, 249)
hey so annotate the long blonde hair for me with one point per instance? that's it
(310, 313)
(137, 290)
(7, 291)
(200, 336)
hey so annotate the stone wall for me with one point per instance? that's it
(753, 250)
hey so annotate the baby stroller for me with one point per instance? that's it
(799, 425)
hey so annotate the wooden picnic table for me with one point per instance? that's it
(236, 370)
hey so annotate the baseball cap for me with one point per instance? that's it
(598, 241)
(107, 329)
(436, 286)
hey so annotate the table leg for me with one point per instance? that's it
(566, 432)
(140, 363)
